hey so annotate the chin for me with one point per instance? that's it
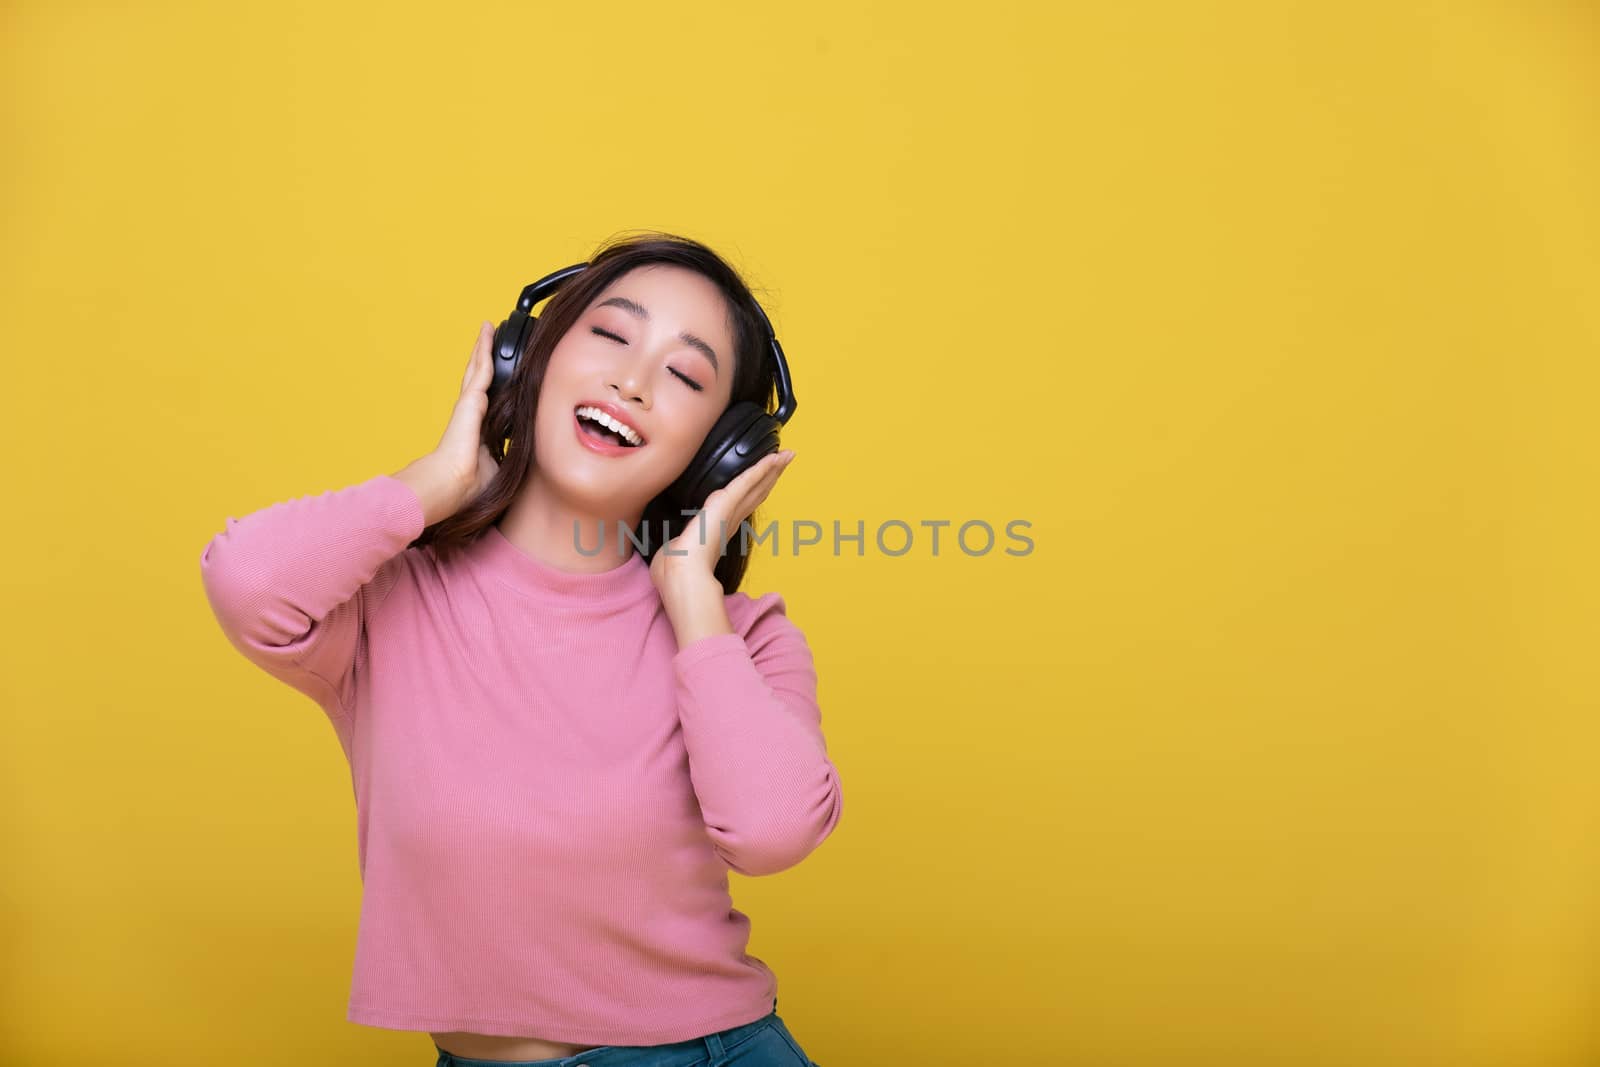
(600, 495)
(600, 484)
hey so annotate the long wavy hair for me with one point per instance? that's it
(508, 422)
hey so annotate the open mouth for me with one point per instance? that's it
(605, 430)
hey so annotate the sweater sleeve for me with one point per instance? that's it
(293, 584)
(747, 704)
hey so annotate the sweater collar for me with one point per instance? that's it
(622, 585)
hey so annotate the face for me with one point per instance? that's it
(653, 351)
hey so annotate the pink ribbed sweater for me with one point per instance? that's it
(549, 791)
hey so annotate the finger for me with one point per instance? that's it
(759, 492)
(743, 497)
(738, 491)
(477, 343)
(466, 418)
(779, 463)
(486, 364)
(753, 474)
(479, 356)
(765, 475)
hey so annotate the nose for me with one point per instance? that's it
(625, 392)
(630, 385)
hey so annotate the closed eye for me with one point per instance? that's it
(690, 382)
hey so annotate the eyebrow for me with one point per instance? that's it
(686, 337)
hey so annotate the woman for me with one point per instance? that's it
(560, 739)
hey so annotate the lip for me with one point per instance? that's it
(594, 444)
(616, 413)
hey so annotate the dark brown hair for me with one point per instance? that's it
(508, 423)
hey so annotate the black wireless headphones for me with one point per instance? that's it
(741, 437)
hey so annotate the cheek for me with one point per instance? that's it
(690, 423)
(545, 418)
(560, 365)
(554, 385)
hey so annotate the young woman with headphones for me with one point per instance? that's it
(565, 723)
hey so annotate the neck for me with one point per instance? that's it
(550, 528)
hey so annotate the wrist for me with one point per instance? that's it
(439, 493)
(694, 606)
(682, 583)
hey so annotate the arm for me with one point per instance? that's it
(292, 585)
(753, 729)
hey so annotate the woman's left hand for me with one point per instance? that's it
(686, 563)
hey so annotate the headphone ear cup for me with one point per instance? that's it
(506, 349)
(741, 437)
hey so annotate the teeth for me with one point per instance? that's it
(594, 414)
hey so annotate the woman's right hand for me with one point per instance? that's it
(460, 466)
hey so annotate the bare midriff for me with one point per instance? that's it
(493, 1047)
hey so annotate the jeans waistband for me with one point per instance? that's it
(715, 1044)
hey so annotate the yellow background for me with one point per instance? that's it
(1277, 321)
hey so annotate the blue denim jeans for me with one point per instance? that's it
(763, 1043)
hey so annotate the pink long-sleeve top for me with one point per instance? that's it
(549, 791)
